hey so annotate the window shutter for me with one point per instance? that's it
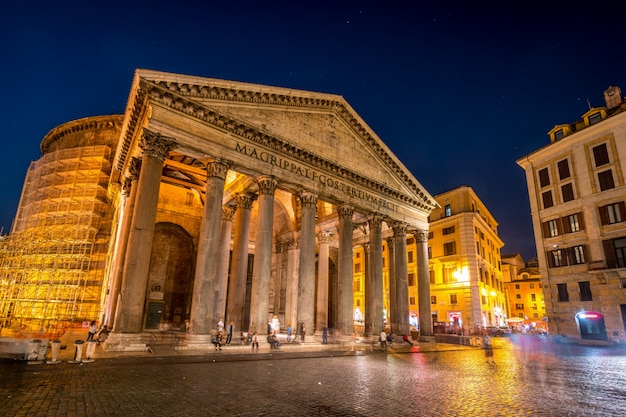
(609, 253)
(604, 215)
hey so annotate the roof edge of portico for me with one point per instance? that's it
(190, 86)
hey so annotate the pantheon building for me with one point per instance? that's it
(213, 200)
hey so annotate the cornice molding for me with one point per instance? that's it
(180, 98)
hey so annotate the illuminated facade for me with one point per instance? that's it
(526, 309)
(213, 199)
(577, 192)
(466, 288)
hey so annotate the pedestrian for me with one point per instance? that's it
(218, 341)
(488, 349)
(383, 340)
(255, 341)
(406, 339)
(220, 325)
(229, 336)
(325, 335)
(275, 340)
(302, 332)
(289, 331)
(92, 330)
(269, 327)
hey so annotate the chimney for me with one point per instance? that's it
(612, 97)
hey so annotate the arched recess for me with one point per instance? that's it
(170, 282)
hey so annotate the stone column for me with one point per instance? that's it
(345, 313)
(207, 262)
(321, 316)
(423, 284)
(376, 272)
(306, 281)
(402, 280)
(280, 274)
(129, 193)
(139, 249)
(368, 309)
(259, 301)
(221, 283)
(239, 264)
(392, 313)
(291, 291)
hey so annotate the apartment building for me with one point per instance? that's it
(576, 189)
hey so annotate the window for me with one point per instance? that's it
(447, 210)
(431, 273)
(585, 291)
(547, 199)
(517, 286)
(563, 167)
(430, 252)
(623, 282)
(448, 230)
(567, 190)
(559, 134)
(412, 300)
(357, 267)
(562, 291)
(605, 178)
(615, 252)
(453, 299)
(612, 213)
(531, 286)
(519, 306)
(533, 297)
(410, 256)
(410, 241)
(430, 235)
(572, 223)
(555, 258)
(448, 274)
(601, 155)
(449, 248)
(411, 279)
(544, 177)
(553, 228)
(433, 299)
(518, 296)
(595, 118)
(578, 255)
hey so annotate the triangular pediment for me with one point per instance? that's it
(320, 127)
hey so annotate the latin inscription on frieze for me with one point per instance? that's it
(313, 175)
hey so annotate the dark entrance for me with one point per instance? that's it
(591, 325)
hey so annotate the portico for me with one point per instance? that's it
(269, 185)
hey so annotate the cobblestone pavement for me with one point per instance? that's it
(532, 377)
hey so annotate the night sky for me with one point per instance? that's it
(458, 90)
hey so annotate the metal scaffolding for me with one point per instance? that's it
(52, 264)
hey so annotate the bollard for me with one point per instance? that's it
(43, 348)
(56, 348)
(91, 348)
(78, 355)
(33, 350)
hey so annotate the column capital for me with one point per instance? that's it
(267, 184)
(217, 168)
(228, 212)
(345, 211)
(308, 199)
(421, 235)
(323, 236)
(134, 169)
(292, 244)
(375, 220)
(245, 200)
(155, 145)
(399, 229)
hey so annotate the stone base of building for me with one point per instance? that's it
(125, 342)
(200, 342)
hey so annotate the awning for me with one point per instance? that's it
(515, 320)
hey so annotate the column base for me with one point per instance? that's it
(125, 342)
(201, 342)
